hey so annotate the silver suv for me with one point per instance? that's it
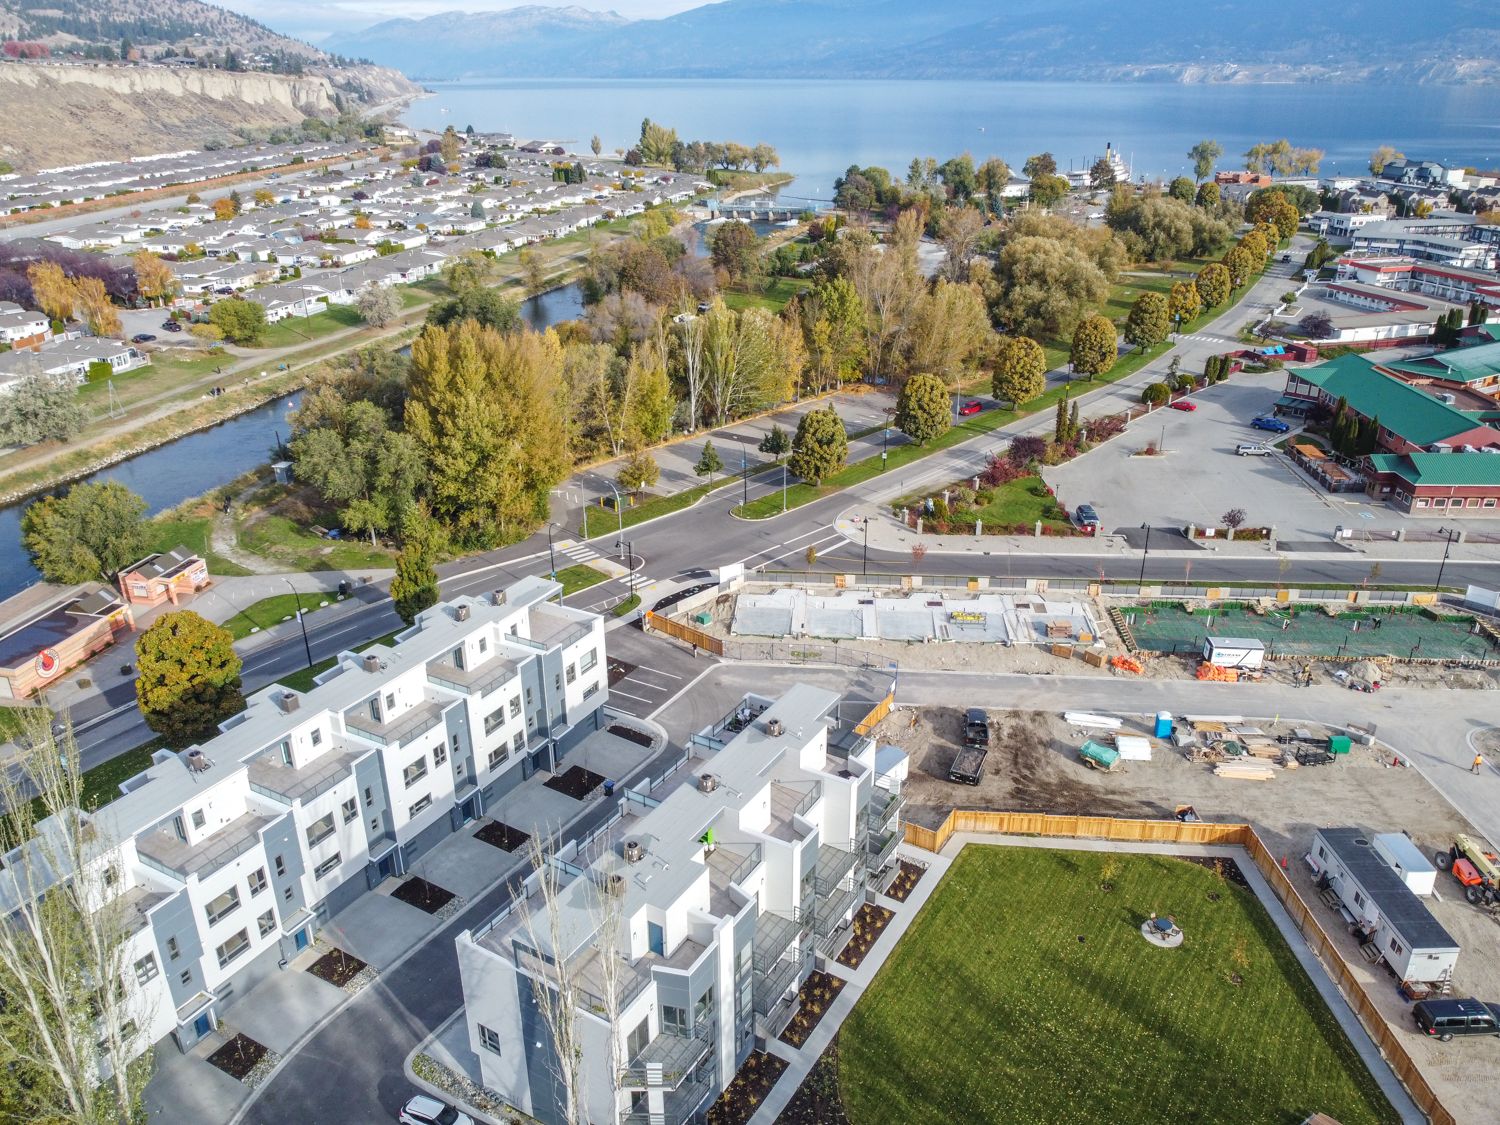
(1253, 449)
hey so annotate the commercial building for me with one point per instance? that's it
(45, 632)
(720, 899)
(164, 577)
(230, 856)
(1409, 275)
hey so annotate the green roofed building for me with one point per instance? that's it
(1440, 484)
(1475, 368)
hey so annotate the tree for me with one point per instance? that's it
(414, 586)
(1042, 164)
(1155, 394)
(1280, 158)
(378, 305)
(1095, 347)
(734, 249)
(821, 446)
(649, 405)
(210, 334)
(1204, 155)
(708, 462)
(1316, 326)
(470, 270)
(777, 443)
(1060, 420)
(1382, 156)
(948, 331)
(224, 209)
(639, 471)
(242, 322)
(922, 408)
(88, 533)
(1212, 284)
(1020, 373)
(1183, 302)
(40, 407)
(448, 145)
(1047, 286)
(1208, 196)
(958, 230)
(533, 273)
(763, 156)
(1102, 174)
(657, 143)
(51, 290)
(1149, 321)
(992, 178)
(98, 310)
(1241, 261)
(68, 1042)
(1233, 519)
(1271, 205)
(833, 329)
(263, 197)
(154, 279)
(1048, 191)
(488, 308)
(595, 144)
(188, 677)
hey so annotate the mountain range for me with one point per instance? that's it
(1164, 40)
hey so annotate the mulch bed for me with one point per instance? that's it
(907, 877)
(418, 892)
(631, 734)
(814, 998)
(1227, 869)
(577, 782)
(337, 967)
(868, 924)
(238, 1057)
(502, 836)
(743, 1096)
(817, 1101)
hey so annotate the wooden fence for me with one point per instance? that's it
(1241, 835)
(683, 632)
(878, 712)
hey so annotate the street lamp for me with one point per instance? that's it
(619, 511)
(551, 554)
(783, 488)
(1146, 550)
(1450, 536)
(296, 597)
(866, 568)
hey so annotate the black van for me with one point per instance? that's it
(1443, 1019)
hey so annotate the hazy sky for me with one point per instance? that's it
(314, 19)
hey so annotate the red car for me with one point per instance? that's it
(1184, 404)
(973, 406)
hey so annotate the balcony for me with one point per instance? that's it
(669, 1059)
(880, 849)
(884, 808)
(400, 729)
(789, 801)
(162, 849)
(834, 866)
(479, 680)
(770, 986)
(726, 867)
(270, 777)
(774, 935)
(831, 911)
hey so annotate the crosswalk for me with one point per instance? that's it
(1204, 338)
(581, 553)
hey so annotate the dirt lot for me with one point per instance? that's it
(1033, 766)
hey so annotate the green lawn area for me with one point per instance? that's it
(13, 720)
(1024, 991)
(579, 577)
(302, 679)
(628, 605)
(1016, 503)
(774, 298)
(192, 532)
(273, 611)
(279, 539)
(296, 330)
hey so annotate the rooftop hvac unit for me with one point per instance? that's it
(290, 701)
(707, 783)
(372, 663)
(616, 885)
(461, 612)
(634, 851)
(774, 728)
(197, 761)
(1447, 399)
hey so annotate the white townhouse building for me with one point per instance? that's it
(730, 890)
(231, 855)
(18, 324)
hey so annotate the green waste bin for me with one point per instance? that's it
(706, 617)
(1339, 744)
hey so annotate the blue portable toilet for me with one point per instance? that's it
(1163, 724)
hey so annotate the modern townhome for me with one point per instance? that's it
(726, 893)
(232, 854)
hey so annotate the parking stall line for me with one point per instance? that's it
(627, 695)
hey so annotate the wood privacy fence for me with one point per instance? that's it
(878, 712)
(1240, 835)
(683, 632)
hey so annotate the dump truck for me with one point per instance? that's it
(968, 765)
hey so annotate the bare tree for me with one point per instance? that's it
(607, 914)
(692, 330)
(72, 1018)
(958, 231)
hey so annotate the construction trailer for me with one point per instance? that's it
(1234, 652)
(1406, 860)
(1390, 921)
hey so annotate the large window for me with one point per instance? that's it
(319, 830)
(497, 756)
(266, 922)
(490, 1038)
(515, 707)
(420, 806)
(415, 772)
(146, 968)
(674, 1020)
(494, 720)
(257, 881)
(439, 753)
(350, 809)
(233, 947)
(223, 906)
(323, 869)
(588, 660)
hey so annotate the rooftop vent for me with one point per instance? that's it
(197, 761)
(616, 885)
(498, 597)
(461, 612)
(372, 663)
(707, 783)
(774, 728)
(289, 701)
(634, 851)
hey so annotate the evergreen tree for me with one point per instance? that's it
(709, 463)
(1060, 424)
(1073, 422)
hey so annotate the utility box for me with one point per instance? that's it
(1339, 744)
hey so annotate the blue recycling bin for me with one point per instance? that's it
(1163, 724)
(609, 788)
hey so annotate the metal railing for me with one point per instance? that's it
(883, 808)
(769, 987)
(286, 798)
(881, 848)
(813, 796)
(158, 865)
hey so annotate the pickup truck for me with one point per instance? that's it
(968, 765)
(976, 727)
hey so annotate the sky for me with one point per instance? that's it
(313, 20)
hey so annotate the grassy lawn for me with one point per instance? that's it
(192, 532)
(13, 720)
(773, 299)
(628, 605)
(579, 577)
(1023, 984)
(280, 539)
(296, 330)
(168, 371)
(302, 679)
(1016, 503)
(273, 611)
(101, 784)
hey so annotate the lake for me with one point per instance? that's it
(821, 127)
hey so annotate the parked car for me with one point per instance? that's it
(171, 326)
(1274, 425)
(1086, 518)
(1444, 1017)
(142, 338)
(422, 1110)
(973, 406)
(976, 727)
(1183, 405)
(1253, 449)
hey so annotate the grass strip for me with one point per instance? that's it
(628, 605)
(273, 611)
(578, 577)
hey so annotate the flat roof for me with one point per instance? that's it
(1401, 907)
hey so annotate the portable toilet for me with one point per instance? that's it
(1163, 727)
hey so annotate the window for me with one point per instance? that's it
(674, 1020)
(287, 894)
(497, 756)
(320, 830)
(572, 673)
(490, 1038)
(316, 737)
(1489, 502)
(257, 881)
(1440, 502)
(349, 809)
(111, 875)
(440, 753)
(528, 699)
(420, 805)
(1359, 899)
(455, 745)
(375, 708)
(223, 906)
(199, 820)
(266, 922)
(458, 658)
(588, 660)
(484, 645)
(233, 947)
(145, 968)
(494, 720)
(374, 824)
(285, 746)
(590, 690)
(280, 866)
(369, 796)
(515, 707)
(1396, 947)
(172, 951)
(636, 1041)
(519, 741)
(415, 772)
(390, 702)
(557, 682)
(326, 866)
(187, 976)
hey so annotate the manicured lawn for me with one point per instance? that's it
(1024, 992)
(579, 577)
(301, 329)
(279, 539)
(273, 611)
(628, 605)
(773, 299)
(192, 532)
(1017, 503)
(302, 679)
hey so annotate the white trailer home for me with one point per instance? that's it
(1406, 860)
(1381, 909)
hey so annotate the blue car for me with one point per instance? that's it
(1275, 425)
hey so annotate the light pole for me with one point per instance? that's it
(744, 473)
(1450, 536)
(866, 567)
(1146, 550)
(783, 488)
(551, 554)
(619, 512)
(306, 646)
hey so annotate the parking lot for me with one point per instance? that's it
(646, 671)
(1199, 476)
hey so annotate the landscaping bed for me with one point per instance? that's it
(631, 734)
(502, 836)
(818, 991)
(577, 782)
(337, 967)
(238, 1057)
(908, 875)
(425, 896)
(869, 923)
(1024, 982)
(750, 1086)
(818, 1101)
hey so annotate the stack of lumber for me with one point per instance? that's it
(1246, 770)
